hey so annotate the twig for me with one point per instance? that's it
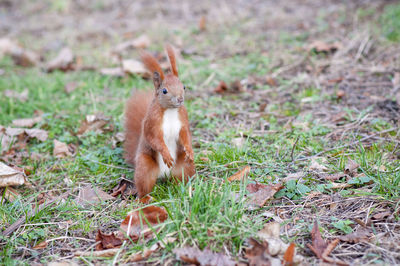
(31, 213)
(294, 146)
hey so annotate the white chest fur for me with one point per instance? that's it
(171, 126)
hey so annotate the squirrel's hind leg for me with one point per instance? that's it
(182, 170)
(146, 173)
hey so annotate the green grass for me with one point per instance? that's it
(390, 22)
(206, 212)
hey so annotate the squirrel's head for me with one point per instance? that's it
(169, 90)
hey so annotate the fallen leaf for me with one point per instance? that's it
(351, 167)
(135, 67)
(20, 56)
(70, 87)
(340, 94)
(202, 23)
(262, 193)
(318, 244)
(258, 254)
(125, 188)
(40, 134)
(90, 195)
(381, 215)
(316, 166)
(321, 248)
(396, 80)
(240, 175)
(270, 234)
(146, 253)
(323, 47)
(9, 193)
(204, 159)
(97, 123)
(142, 42)
(289, 255)
(115, 72)
(361, 235)
(136, 222)
(11, 177)
(271, 81)
(21, 96)
(26, 122)
(61, 149)
(41, 245)
(204, 257)
(332, 177)
(98, 253)
(294, 176)
(221, 88)
(109, 241)
(64, 61)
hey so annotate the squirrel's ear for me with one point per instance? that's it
(172, 59)
(156, 80)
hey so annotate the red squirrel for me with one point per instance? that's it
(158, 141)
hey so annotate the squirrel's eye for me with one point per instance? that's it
(184, 87)
(164, 91)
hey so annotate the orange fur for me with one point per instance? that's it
(144, 139)
(135, 111)
(151, 64)
(172, 60)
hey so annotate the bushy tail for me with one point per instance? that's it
(135, 111)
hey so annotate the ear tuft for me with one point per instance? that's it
(172, 59)
(151, 64)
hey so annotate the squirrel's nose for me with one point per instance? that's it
(180, 99)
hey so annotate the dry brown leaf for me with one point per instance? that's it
(97, 123)
(323, 47)
(61, 149)
(64, 61)
(109, 241)
(21, 56)
(332, 177)
(40, 134)
(70, 87)
(396, 80)
(125, 188)
(361, 235)
(98, 253)
(146, 253)
(114, 72)
(204, 159)
(258, 254)
(9, 193)
(10, 176)
(135, 67)
(262, 193)
(381, 215)
(41, 245)
(221, 88)
(21, 96)
(142, 42)
(26, 122)
(318, 244)
(271, 81)
(351, 167)
(289, 255)
(240, 175)
(90, 195)
(316, 166)
(205, 257)
(321, 248)
(135, 224)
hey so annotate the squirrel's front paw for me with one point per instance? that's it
(168, 160)
(189, 156)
